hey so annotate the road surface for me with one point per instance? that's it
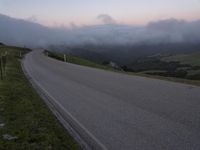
(118, 111)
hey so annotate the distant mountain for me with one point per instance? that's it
(118, 43)
(1, 43)
(21, 32)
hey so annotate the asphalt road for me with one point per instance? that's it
(121, 112)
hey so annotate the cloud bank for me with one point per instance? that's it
(106, 19)
(25, 33)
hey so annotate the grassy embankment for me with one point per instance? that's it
(25, 120)
(79, 61)
(84, 62)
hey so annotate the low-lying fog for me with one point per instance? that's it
(24, 33)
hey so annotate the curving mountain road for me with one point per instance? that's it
(119, 112)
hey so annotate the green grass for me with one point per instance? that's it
(83, 62)
(25, 114)
(191, 59)
(79, 61)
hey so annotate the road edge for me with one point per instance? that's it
(86, 142)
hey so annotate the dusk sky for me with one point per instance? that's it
(85, 12)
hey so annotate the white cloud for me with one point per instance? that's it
(165, 31)
(106, 19)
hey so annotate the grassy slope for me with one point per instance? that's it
(191, 59)
(25, 114)
(80, 61)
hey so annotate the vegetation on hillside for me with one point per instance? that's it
(191, 59)
(78, 60)
(180, 66)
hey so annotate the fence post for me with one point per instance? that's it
(4, 60)
(1, 68)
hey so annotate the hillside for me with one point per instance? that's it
(184, 65)
(191, 59)
(78, 60)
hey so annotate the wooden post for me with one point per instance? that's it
(4, 61)
(1, 68)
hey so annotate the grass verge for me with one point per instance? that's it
(24, 117)
(78, 61)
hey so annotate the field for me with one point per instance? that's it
(191, 59)
(25, 120)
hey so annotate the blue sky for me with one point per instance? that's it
(85, 12)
